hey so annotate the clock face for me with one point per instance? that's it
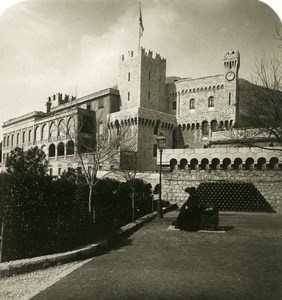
(230, 76)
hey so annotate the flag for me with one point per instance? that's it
(141, 27)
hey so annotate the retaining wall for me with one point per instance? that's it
(269, 183)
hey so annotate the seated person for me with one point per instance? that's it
(193, 216)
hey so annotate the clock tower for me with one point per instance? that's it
(231, 61)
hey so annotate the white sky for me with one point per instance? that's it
(73, 46)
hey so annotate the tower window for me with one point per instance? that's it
(128, 76)
(174, 105)
(192, 104)
(229, 100)
(149, 96)
(211, 101)
(128, 96)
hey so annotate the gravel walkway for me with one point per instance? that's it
(20, 285)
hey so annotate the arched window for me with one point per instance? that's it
(44, 132)
(23, 137)
(70, 148)
(29, 135)
(53, 132)
(4, 142)
(18, 138)
(61, 149)
(192, 104)
(183, 163)
(214, 125)
(155, 150)
(70, 126)
(211, 101)
(12, 140)
(173, 164)
(205, 128)
(8, 141)
(52, 150)
(61, 128)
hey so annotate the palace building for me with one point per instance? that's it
(192, 113)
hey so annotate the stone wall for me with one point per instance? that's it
(269, 183)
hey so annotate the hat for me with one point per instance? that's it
(190, 190)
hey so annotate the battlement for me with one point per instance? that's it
(131, 54)
(231, 54)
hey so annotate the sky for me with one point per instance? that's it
(73, 46)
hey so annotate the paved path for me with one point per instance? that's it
(157, 263)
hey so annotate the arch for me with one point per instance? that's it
(204, 164)
(197, 125)
(215, 164)
(61, 149)
(205, 128)
(238, 163)
(155, 150)
(173, 164)
(261, 164)
(61, 128)
(226, 164)
(188, 126)
(214, 125)
(36, 134)
(18, 138)
(70, 148)
(156, 127)
(221, 125)
(226, 124)
(12, 140)
(183, 163)
(44, 132)
(52, 131)
(29, 135)
(274, 163)
(8, 141)
(211, 101)
(192, 104)
(23, 137)
(250, 163)
(194, 164)
(51, 150)
(193, 126)
(71, 126)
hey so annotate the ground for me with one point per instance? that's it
(245, 262)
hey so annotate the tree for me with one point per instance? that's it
(96, 144)
(32, 162)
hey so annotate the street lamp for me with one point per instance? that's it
(161, 139)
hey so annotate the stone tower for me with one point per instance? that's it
(142, 80)
(231, 61)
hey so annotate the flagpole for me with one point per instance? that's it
(141, 27)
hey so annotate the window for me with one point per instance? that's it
(174, 105)
(59, 171)
(8, 141)
(88, 107)
(229, 98)
(211, 101)
(12, 140)
(205, 128)
(192, 104)
(29, 135)
(23, 137)
(100, 103)
(149, 96)
(155, 150)
(128, 77)
(4, 143)
(128, 96)
(51, 172)
(18, 138)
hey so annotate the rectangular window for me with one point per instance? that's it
(100, 103)
(51, 172)
(88, 107)
(149, 96)
(128, 96)
(129, 76)
(59, 171)
(174, 105)
(229, 99)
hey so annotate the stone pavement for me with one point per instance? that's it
(245, 262)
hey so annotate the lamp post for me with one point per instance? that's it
(161, 139)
